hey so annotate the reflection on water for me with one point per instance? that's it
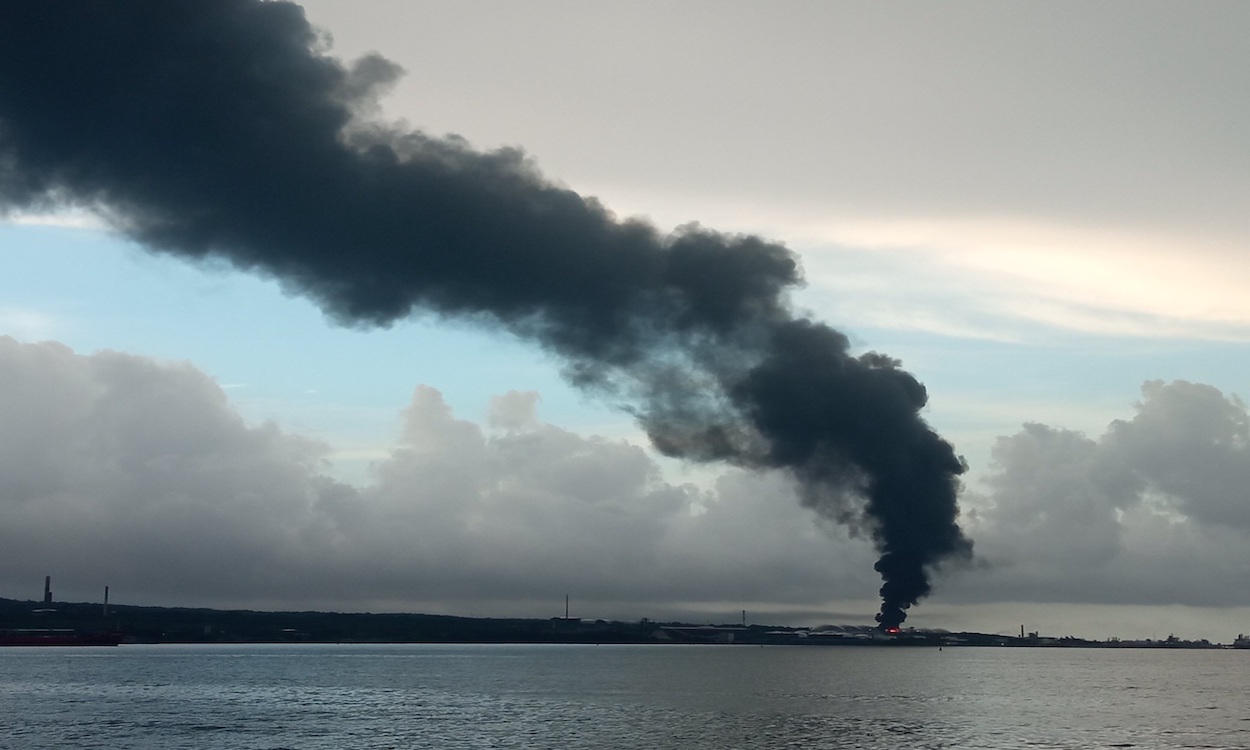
(315, 697)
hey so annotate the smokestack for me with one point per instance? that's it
(106, 601)
(47, 590)
(223, 130)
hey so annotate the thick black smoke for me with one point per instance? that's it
(223, 130)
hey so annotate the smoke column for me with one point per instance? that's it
(224, 130)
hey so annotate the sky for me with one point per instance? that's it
(1037, 207)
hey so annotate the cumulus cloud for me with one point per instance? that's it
(1154, 511)
(119, 470)
(1190, 445)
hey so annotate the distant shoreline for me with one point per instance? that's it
(185, 625)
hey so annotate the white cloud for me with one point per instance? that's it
(1000, 274)
(69, 218)
(1155, 511)
(120, 470)
(117, 469)
(28, 324)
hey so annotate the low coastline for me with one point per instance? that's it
(202, 625)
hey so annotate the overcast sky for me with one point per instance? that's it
(1038, 207)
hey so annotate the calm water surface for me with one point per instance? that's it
(318, 697)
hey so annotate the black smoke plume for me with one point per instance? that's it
(223, 130)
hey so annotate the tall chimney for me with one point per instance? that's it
(106, 601)
(47, 589)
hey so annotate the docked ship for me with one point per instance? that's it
(1243, 641)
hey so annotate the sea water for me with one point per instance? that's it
(339, 697)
